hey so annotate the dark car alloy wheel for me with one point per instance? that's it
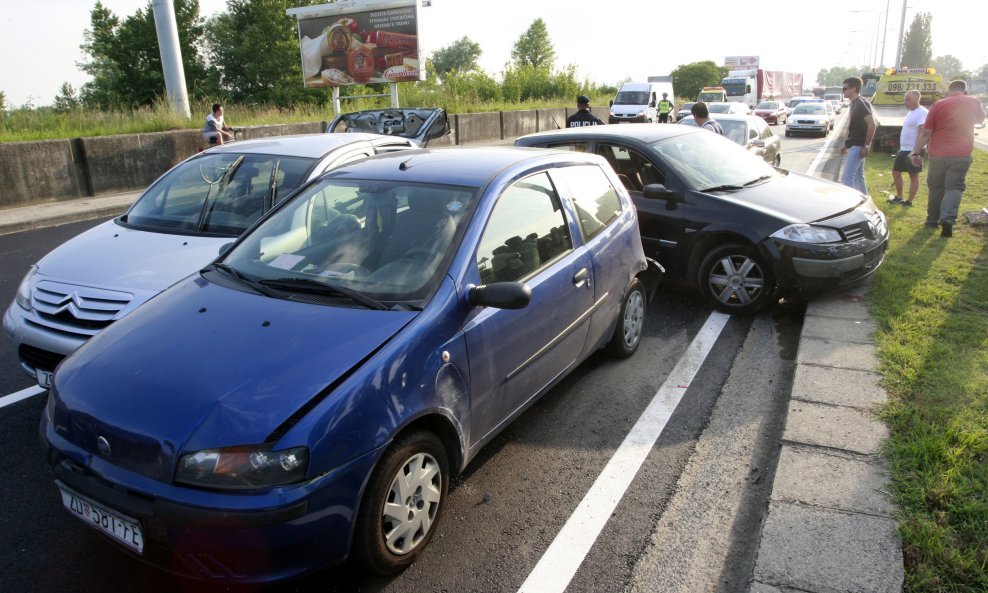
(735, 279)
(403, 502)
(630, 323)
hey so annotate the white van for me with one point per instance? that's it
(637, 102)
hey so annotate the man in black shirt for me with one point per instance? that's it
(583, 117)
(860, 132)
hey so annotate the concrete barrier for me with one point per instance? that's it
(131, 161)
(519, 123)
(32, 172)
(551, 119)
(310, 127)
(476, 127)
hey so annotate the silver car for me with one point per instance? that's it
(177, 226)
(751, 132)
(811, 117)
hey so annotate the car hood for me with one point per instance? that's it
(794, 197)
(115, 257)
(207, 366)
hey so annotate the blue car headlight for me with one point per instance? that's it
(807, 233)
(23, 297)
(245, 467)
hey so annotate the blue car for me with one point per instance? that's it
(307, 397)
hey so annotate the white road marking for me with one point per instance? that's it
(13, 398)
(563, 557)
(819, 156)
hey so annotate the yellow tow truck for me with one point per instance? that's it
(888, 106)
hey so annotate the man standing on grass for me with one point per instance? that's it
(949, 131)
(907, 141)
(860, 132)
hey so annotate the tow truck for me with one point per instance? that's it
(712, 94)
(888, 106)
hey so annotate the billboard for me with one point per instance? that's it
(354, 42)
(741, 62)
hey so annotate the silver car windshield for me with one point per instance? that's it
(219, 193)
(388, 240)
(809, 109)
(707, 160)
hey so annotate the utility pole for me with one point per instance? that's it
(885, 34)
(902, 36)
(171, 56)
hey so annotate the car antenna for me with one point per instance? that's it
(404, 164)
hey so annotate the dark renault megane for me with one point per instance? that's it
(743, 232)
(308, 395)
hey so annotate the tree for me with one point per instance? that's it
(836, 75)
(66, 100)
(949, 67)
(534, 48)
(459, 56)
(981, 72)
(691, 78)
(254, 52)
(125, 62)
(917, 46)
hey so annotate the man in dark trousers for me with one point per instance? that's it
(583, 117)
(948, 134)
(665, 108)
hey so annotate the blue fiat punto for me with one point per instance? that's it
(306, 397)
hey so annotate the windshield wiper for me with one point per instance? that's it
(310, 285)
(759, 180)
(725, 187)
(241, 277)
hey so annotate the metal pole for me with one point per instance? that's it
(885, 31)
(902, 36)
(879, 15)
(171, 56)
(394, 95)
(336, 101)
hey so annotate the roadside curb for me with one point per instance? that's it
(831, 525)
(25, 218)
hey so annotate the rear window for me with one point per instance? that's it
(218, 193)
(768, 105)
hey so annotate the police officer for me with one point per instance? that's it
(665, 108)
(583, 117)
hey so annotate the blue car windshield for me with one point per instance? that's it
(707, 160)
(388, 240)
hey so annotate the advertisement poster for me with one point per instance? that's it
(361, 44)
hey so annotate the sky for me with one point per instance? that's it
(39, 41)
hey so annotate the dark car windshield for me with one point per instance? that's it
(387, 240)
(218, 193)
(706, 160)
(631, 98)
(735, 130)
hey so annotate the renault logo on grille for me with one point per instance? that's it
(104, 446)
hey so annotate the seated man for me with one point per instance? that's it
(216, 131)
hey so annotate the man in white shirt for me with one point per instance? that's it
(216, 131)
(907, 141)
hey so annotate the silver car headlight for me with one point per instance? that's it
(807, 233)
(240, 468)
(23, 297)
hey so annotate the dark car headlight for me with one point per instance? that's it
(23, 297)
(807, 233)
(239, 468)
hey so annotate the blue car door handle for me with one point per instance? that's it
(581, 276)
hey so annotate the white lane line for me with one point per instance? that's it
(819, 156)
(563, 557)
(13, 398)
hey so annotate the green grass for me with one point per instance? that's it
(45, 124)
(930, 301)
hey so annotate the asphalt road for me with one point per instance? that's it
(688, 519)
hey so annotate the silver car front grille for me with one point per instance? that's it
(76, 310)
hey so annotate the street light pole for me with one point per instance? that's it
(902, 35)
(885, 32)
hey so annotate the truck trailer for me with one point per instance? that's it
(753, 86)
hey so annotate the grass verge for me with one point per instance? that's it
(930, 302)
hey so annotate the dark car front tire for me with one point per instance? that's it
(735, 279)
(630, 323)
(403, 502)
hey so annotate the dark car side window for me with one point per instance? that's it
(634, 170)
(526, 231)
(596, 202)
